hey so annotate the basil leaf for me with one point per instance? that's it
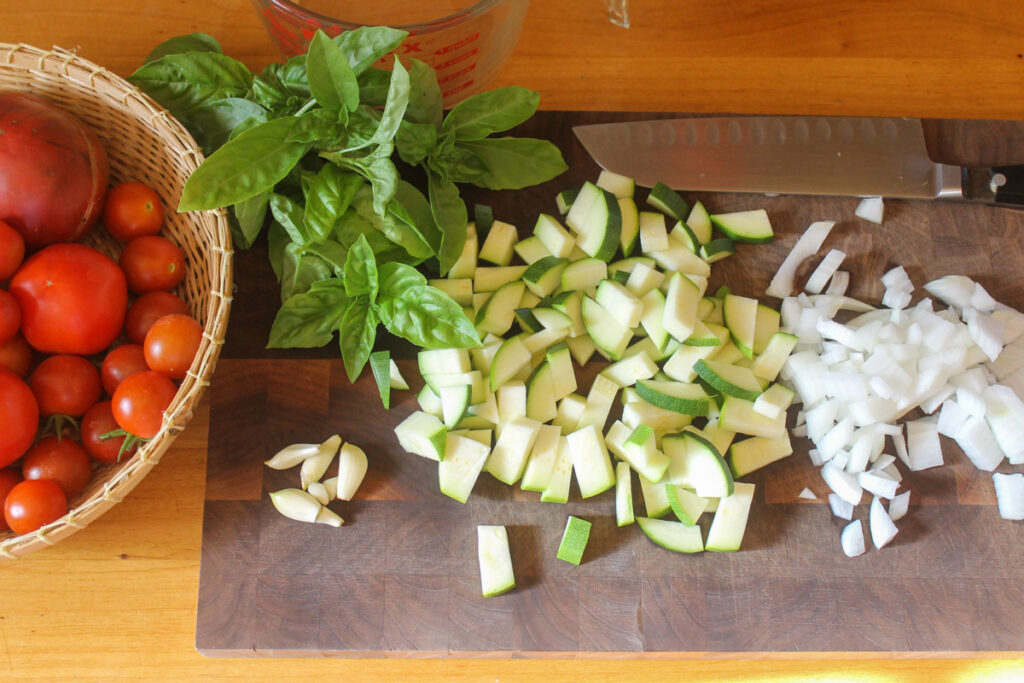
(328, 195)
(249, 217)
(300, 270)
(399, 232)
(514, 163)
(357, 334)
(182, 82)
(380, 365)
(394, 107)
(425, 104)
(414, 141)
(451, 217)
(366, 44)
(192, 42)
(316, 126)
(283, 88)
(461, 165)
(361, 270)
(395, 278)
(309, 319)
(411, 207)
(277, 243)
(331, 79)
(376, 167)
(427, 317)
(373, 86)
(351, 225)
(289, 215)
(245, 166)
(212, 123)
(334, 253)
(491, 111)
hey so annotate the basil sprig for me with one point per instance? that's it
(307, 148)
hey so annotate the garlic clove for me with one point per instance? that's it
(352, 466)
(320, 492)
(328, 517)
(331, 485)
(313, 468)
(296, 504)
(290, 456)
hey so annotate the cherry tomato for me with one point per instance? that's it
(33, 503)
(20, 413)
(172, 343)
(65, 385)
(63, 461)
(149, 308)
(122, 361)
(10, 316)
(8, 478)
(73, 299)
(151, 263)
(131, 210)
(16, 356)
(12, 251)
(139, 403)
(97, 422)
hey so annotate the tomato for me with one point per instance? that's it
(139, 403)
(33, 503)
(131, 210)
(16, 356)
(73, 299)
(120, 362)
(65, 385)
(10, 316)
(98, 421)
(20, 413)
(149, 308)
(12, 251)
(172, 343)
(8, 478)
(60, 460)
(152, 263)
(54, 171)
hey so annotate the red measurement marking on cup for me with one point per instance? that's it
(458, 44)
(447, 78)
(456, 59)
(459, 88)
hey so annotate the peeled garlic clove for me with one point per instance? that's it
(319, 491)
(296, 504)
(313, 468)
(351, 470)
(290, 456)
(331, 486)
(328, 517)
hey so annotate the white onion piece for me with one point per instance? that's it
(870, 209)
(852, 539)
(823, 273)
(924, 450)
(978, 442)
(951, 418)
(842, 483)
(1010, 495)
(807, 494)
(1012, 320)
(981, 299)
(840, 508)
(1005, 415)
(882, 528)
(898, 506)
(985, 331)
(809, 243)
(839, 283)
(952, 290)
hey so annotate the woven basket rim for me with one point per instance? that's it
(112, 91)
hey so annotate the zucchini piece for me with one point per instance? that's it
(561, 476)
(740, 315)
(681, 301)
(687, 399)
(493, 278)
(507, 460)
(531, 249)
(653, 232)
(544, 277)
(624, 515)
(755, 452)
(731, 380)
(555, 238)
(730, 520)
(619, 185)
(716, 250)
(574, 540)
(565, 199)
(463, 461)
(674, 536)
(596, 218)
(608, 333)
(590, 461)
(620, 302)
(630, 225)
(422, 434)
(541, 464)
(496, 574)
(699, 223)
(584, 274)
(665, 199)
(752, 227)
(499, 245)
(465, 265)
(498, 312)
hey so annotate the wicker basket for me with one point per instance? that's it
(143, 143)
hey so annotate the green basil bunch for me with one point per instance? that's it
(307, 146)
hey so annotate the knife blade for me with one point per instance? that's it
(821, 155)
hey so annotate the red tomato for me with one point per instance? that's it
(122, 361)
(132, 209)
(172, 343)
(73, 299)
(139, 403)
(149, 308)
(10, 316)
(62, 461)
(12, 251)
(20, 417)
(65, 385)
(97, 422)
(54, 171)
(152, 263)
(33, 503)
(16, 356)
(8, 478)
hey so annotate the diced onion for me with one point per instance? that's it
(852, 539)
(1009, 495)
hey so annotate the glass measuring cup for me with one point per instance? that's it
(466, 42)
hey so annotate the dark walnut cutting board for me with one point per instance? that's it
(401, 578)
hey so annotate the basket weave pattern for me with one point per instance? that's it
(143, 143)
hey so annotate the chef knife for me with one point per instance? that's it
(822, 155)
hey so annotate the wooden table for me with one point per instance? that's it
(119, 599)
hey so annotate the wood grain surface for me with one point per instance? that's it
(400, 578)
(119, 600)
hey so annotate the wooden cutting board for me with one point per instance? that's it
(400, 578)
